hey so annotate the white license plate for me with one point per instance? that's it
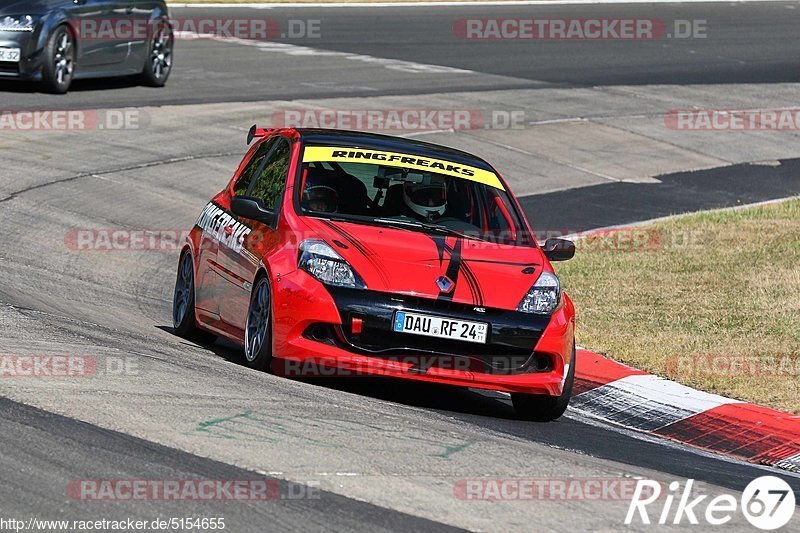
(441, 327)
(9, 55)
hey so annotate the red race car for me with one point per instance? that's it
(344, 253)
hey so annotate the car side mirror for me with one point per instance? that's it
(252, 208)
(559, 249)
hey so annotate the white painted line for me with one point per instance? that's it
(294, 5)
(295, 50)
(790, 463)
(646, 402)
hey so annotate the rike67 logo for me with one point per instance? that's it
(767, 502)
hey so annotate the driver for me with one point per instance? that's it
(321, 198)
(426, 201)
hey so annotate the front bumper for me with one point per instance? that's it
(30, 64)
(511, 361)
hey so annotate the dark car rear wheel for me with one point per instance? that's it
(543, 408)
(59, 61)
(258, 331)
(158, 64)
(183, 316)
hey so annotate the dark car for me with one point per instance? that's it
(58, 41)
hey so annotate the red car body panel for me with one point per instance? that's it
(408, 262)
(390, 261)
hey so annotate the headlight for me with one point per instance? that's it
(22, 23)
(544, 296)
(322, 262)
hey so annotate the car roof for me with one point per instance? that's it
(374, 141)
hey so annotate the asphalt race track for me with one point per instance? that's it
(593, 152)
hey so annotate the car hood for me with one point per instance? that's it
(31, 7)
(410, 262)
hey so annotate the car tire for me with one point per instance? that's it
(158, 61)
(59, 61)
(544, 408)
(183, 314)
(258, 331)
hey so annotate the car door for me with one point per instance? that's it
(216, 221)
(268, 185)
(102, 31)
(207, 287)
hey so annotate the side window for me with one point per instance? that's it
(246, 178)
(271, 179)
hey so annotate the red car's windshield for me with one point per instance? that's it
(385, 194)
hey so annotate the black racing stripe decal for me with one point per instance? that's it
(441, 245)
(473, 290)
(467, 276)
(346, 236)
(370, 255)
(470, 277)
(453, 268)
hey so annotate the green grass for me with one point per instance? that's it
(731, 294)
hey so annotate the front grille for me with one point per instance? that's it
(379, 338)
(9, 68)
(509, 349)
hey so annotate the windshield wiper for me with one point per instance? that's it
(436, 228)
(411, 225)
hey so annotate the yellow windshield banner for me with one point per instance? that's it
(337, 154)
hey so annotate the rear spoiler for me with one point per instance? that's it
(255, 131)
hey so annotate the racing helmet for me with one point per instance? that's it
(426, 199)
(321, 198)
